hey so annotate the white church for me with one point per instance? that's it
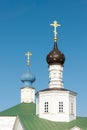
(55, 105)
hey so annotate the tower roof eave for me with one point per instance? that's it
(57, 89)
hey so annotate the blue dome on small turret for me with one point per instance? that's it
(28, 78)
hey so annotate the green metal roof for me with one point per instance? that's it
(26, 113)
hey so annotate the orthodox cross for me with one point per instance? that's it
(28, 54)
(55, 25)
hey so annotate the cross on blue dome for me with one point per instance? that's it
(28, 77)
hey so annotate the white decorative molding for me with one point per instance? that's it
(55, 76)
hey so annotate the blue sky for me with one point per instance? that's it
(25, 26)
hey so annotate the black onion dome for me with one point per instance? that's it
(55, 56)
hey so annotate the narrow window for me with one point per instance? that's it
(46, 107)
(60, 106)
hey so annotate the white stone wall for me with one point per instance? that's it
(55, 76)
(27, 95)
(53, 98)
(10, 123)
(7, 123)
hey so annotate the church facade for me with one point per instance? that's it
(54, 104)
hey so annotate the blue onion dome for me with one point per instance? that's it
(28, 78)
(55, 56)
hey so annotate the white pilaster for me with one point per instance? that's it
(55, 76)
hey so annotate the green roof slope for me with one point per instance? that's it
(26, 113)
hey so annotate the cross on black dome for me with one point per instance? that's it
(55, 56)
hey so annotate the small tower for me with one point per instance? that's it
(27, 91)
(56, 103)
(55, 60)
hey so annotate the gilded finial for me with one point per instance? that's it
(55, 25)
(28, 54)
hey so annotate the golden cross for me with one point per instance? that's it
(55, 25)
(28, 54)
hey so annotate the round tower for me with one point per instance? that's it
(27, 91)
(55, 60)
